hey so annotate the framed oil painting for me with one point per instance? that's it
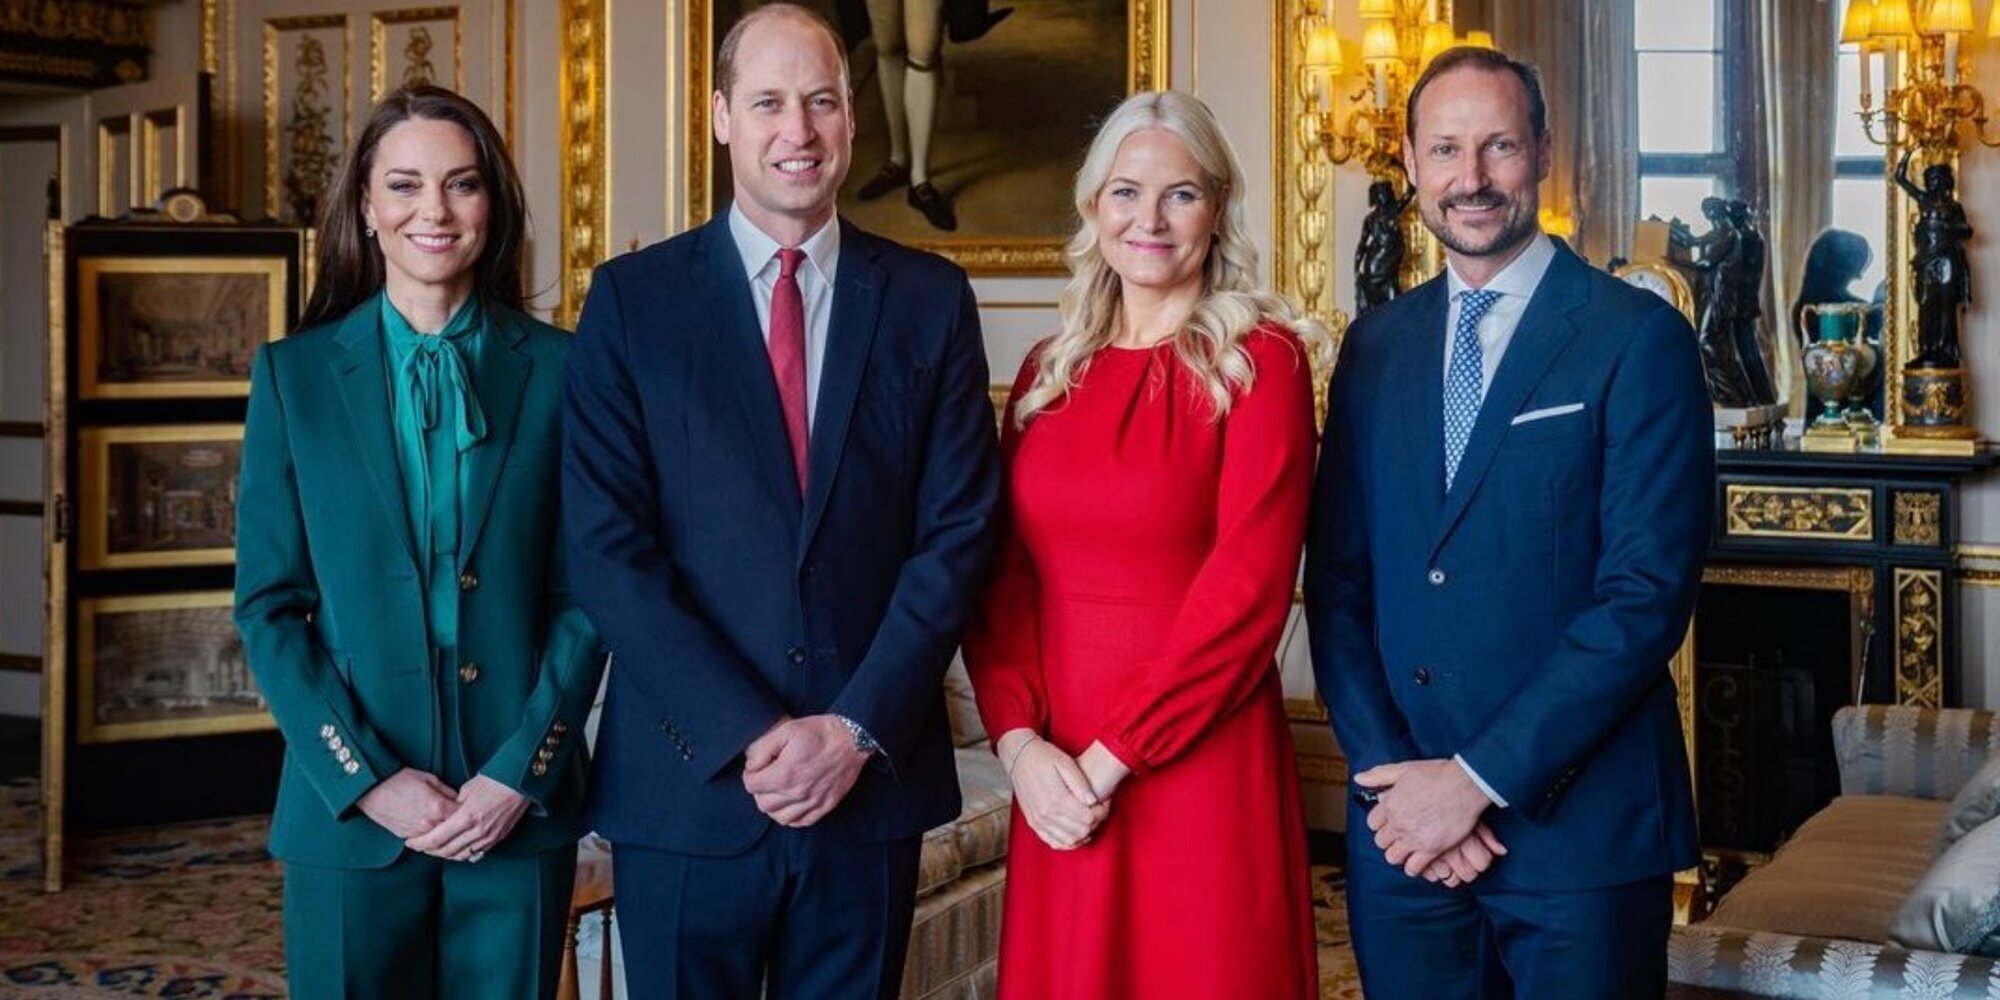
(1002, 99)
(159, 496)
(169, 327)
(162, 665)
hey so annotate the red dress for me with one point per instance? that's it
(1146, 568)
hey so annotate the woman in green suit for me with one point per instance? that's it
(399, 582)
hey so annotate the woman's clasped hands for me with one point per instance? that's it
(1064, 799)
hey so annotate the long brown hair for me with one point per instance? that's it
(350, 263)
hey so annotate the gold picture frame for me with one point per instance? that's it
(196, 684)
(1146, 68)
(164, 327)
(184, 514)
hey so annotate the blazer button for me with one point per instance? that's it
(538, 768)
(809, 570)
(1437, 577)
(468, 580)
(1421, 675)
(796, 655)
(469, 673)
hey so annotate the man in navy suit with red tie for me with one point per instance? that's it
(1513, 509)
(779, 469)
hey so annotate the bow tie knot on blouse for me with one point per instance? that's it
(434, 370)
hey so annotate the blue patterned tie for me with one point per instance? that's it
(1464, 387)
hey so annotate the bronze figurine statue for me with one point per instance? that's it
(1750, 285)
(1378, 258)
(1717, 255)
(1939, 272)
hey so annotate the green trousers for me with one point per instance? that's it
(428, 929)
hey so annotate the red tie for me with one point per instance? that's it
(788, 353)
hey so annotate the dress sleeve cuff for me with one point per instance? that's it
(1481, 782)
(1132, 759)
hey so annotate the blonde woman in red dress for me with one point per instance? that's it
(1159, 452)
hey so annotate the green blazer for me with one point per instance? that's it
(331, 603)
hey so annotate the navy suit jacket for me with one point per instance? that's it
(727, 598)
(1526, 618)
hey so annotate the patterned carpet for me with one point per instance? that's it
(193, 912)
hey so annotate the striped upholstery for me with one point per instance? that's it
(1902, 750)
(1813, 968)
(1844, 874)
(1836, 879)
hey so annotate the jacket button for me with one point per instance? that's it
(810, 569)
(1437, 577)
(469, 673)
(468, 580)
(796, 655)
(1421, 675)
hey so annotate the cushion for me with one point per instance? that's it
(1844, 874)
(966, 729)
(1957, 905)
(1976, 802)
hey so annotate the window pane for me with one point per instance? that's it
(1848, 138)
(1677, 103)
(1861, 205)
(1675, 198)
(1674, 24)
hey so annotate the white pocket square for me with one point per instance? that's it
(1545, 413)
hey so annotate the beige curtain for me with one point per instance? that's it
(1590, 77)
(1799, 47)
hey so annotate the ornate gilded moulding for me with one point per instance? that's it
(1835, 513)
(75, 44)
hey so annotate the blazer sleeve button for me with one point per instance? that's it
(1436, 577)
(1421, 675)
(796, 655)
(468, 580)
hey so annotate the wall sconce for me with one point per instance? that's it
(1924, 102)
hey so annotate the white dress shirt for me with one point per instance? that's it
(1516, 284)
(815, 276)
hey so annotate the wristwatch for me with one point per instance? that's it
(862, 741)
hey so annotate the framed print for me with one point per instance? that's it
(1002, 102)
(159, 496)
(162, 665)
(166, 327)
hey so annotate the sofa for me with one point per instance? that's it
(1815, 922)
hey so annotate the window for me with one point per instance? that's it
(1860, 191)
(1683, 148)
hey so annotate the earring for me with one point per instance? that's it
(369, 231)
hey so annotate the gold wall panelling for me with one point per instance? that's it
(306, 120)
(403, 49)
(1322, 769)
(1301, 186)
(585, 166)
(1755, 511)
(470, 47)
(1918, 517)
(1147, 68)
(1919, 640)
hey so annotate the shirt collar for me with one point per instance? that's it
(1518, 278)
(760, 251)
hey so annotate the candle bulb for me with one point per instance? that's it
(1951, 58)
(1867, 57)
(1381, 86)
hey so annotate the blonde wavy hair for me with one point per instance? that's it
(1210, 344)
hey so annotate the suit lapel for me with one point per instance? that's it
(1422, 368)
(1544, 331)
(738, 341)
(362, 376)
(499, 378)
(857, 288)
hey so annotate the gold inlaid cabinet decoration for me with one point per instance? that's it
(1798, 512)
(1918, 103)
